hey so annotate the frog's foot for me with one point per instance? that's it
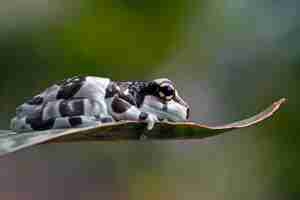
(149, 118)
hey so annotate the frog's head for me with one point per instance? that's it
(162, 99)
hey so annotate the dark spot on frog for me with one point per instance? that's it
(75, 121)
(143, 116)
(38, 100)
(111, 90)
(39, 124)
(106, 120)
(70, 87)
(119, 106)
(165, 107)
(71, 107)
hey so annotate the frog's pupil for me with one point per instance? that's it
(167, 90)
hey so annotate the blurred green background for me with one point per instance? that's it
(229, 59)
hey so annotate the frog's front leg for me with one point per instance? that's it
(123, 110)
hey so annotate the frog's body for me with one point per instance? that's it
(82, 101)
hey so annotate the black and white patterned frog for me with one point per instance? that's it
(86, 100)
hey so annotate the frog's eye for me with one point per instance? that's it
(166, 91)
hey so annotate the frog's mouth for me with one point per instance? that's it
(171, 110)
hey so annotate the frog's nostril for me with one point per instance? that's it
(187, 113)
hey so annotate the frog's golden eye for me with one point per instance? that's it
(166, 91)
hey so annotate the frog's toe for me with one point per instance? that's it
(150, 125)
(151, 119)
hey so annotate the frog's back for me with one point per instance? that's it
(93, 88)
(75, 87)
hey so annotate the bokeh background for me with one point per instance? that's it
(229, 59)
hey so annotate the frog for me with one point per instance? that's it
(82, 101)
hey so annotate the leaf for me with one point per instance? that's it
(126, 130)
